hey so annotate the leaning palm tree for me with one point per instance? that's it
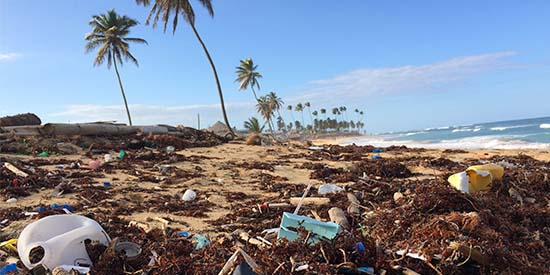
(185, 9)
(110, 34)
(247, 76)
(253, 125)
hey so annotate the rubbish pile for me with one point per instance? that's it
(372, 217)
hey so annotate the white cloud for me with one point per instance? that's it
(376, 81)
(348, 89)
(152, 114)
(9, 56)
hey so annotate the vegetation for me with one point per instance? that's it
(247, 76)
(185, 9)
(253, 125)
(110, 34)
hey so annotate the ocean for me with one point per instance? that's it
(531, 133)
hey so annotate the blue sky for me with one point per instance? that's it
(408, 64)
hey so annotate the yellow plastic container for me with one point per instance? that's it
(496, 170)
(476, 178)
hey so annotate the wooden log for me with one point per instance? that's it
(20, 120)
(309, 201)
(338, 216)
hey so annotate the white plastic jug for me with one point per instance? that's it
(62, 239)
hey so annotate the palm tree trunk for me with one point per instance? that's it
(123, 94)
(220, 93)
(254, 92)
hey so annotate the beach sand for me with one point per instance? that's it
(223, 175)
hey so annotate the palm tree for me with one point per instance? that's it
(253, 125)
(308, 105)
(265, 108)
(316, 122)
(185, 9)
(276, 102)
(289, 107)
(300, 108)
(110, 34)
(324, 112)
(247, 76)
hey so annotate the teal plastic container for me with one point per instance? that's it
(318, 229)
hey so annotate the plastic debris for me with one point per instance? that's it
(8, 269)
(62, 234)
(476, 178)
(11, 200)
(44, 154)
(201, 241)
(170, 149)
(121, 154)
(376, 157)
(329, 188)
(189, 195)
(108, 158)
(318, 229)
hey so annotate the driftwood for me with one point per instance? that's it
(309, 201)
(20, 120)
(15, 170)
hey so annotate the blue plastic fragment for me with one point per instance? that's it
(106, 184)
(378, 150)
(59, 167)
(41, 209)
(367, 269)
(376, 157)
(319, 230)
(361, 247)
(10, 268)
(183, 234)
(66, 206)
(201, 240)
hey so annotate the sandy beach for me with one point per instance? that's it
(232, 180)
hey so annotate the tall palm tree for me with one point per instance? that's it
(276, 102)
(308, 105)
(300, 108)
(323, 112)
(185, 9)
(253, 125)
(315, 113)
(289, 107)
(247, 76)
(110, 34)
(265, 108)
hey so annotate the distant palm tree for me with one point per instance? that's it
(185, 9)
(323, 112)
(308, 105)
(300, 108)
(289, 107)
(253, 125)
(265, 108)
(110, 34)
(316, 121)
(276, 103)
(247, 76)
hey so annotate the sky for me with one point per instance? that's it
(407, 64)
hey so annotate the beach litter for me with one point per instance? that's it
(476, 178)
(328, 189)
(59, 240)
(290, 223)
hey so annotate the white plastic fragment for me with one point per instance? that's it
(329, 188)
(189, 195)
